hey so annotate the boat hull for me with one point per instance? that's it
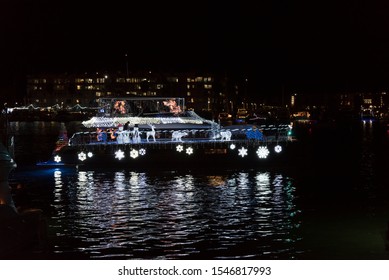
(173, 154)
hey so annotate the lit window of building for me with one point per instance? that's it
(292, 100)
(367, 101)
(172, 79)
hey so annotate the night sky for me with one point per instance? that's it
(300, 45)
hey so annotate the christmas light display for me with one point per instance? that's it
(57, 158)
(119, 154)
(142, 152)
(262, 152)
(134, 153)
(82, 156)
(189, 150)
(242, 152)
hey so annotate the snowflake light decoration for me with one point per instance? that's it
(82, 156)
(278, 149)
(262, 152)
(57, 158)
(232, 146)
(119, 154)
(179, 148)
(142, 152)
(242, 152)
(189, 150)
(90, 154)
(134, 153)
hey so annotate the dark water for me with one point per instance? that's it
(331, 201)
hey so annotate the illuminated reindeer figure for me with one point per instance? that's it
(177, 135)
(150, 133)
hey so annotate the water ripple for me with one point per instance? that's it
(137, 215)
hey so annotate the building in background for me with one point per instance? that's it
(205, 93)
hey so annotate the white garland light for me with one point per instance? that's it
(90, 154)
(189, 150)
(242, 152)
(262, 152)
(278, 149)
(179, 148)
(57, 158)
(119, 154)
(82, 156)
(232, 146)
(134, 153)
(110, 122)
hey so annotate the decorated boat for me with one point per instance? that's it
(147, 132)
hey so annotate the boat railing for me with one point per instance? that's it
(270, 135)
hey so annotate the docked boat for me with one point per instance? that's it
(146, 131)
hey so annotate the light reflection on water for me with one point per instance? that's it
(138, 215)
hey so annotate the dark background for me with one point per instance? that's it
(311, 46)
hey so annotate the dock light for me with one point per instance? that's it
(82, 156)
(119, 154)
(262, 152)
(179, 148)
(232, 146)
(57, 158)
(278, 149)
(134, 153)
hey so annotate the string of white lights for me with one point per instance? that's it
(113, 122)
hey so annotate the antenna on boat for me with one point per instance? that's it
(126, 57)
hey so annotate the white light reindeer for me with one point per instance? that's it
(177, 135)
(150, 133)
(224, 135)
